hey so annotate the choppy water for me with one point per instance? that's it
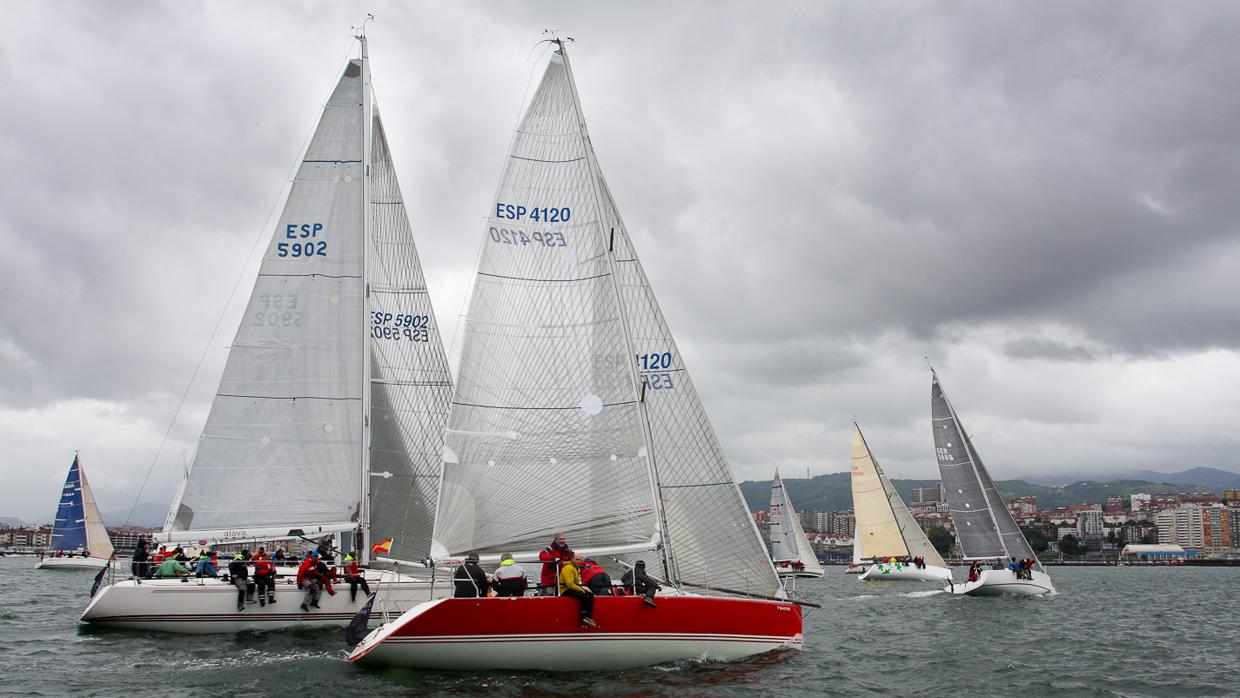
(1110, 631)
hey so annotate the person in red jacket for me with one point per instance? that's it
(353, 575)
(552, 557)
(264, 577)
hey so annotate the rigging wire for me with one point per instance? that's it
(262, 230)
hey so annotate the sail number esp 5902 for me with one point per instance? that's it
(306, 245)
(402, 327)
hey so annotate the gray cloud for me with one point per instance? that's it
(1039, 198)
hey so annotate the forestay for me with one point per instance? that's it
(547, 431)
(410, 381)
(282, 443)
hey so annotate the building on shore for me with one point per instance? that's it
(1182, 525)
(1159, 552)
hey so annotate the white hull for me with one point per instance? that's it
(1004, 582)
(71, 563)
(203, 606)
(887, 572)
(801, 574)
(855, 569)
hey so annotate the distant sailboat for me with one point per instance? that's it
(574, 413)
(790, 549)
(78, 533)
(985, 527)
(329, 416)
(884, 526)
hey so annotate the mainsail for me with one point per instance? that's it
(337, 369)
(984, 525)
(573, 411)
(885, 527)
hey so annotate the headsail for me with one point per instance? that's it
(411, 385)
(69, 529)
(549, 431)
(984, 525)
(282, 444)
(98, 542)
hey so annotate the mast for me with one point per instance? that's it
(363, 535)
(972, 461)
(639, 388)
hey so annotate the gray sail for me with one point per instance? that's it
(282, 444)
(1014, 542)
(976, 529)
(411, 386)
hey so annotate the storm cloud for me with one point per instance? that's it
(1040, 197)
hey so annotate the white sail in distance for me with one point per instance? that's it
(788, 540)
(573, 411)
(338, 329)
(884, 525)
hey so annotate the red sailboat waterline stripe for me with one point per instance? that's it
(574, 413)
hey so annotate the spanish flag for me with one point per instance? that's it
(383, 546)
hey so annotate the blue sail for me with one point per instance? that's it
(69, 531)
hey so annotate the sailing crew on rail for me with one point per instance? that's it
(205, 567)
(264, 577)
(470, 581)
(239, 575)
(552, 557)
(637, 581)
(509, 577)
(596, 578)
(570, 585)
(353, 575)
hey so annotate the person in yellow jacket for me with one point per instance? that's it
(570, 585)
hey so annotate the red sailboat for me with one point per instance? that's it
(573, 412)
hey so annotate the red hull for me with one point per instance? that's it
(545, 633)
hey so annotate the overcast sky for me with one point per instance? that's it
(1041, 197)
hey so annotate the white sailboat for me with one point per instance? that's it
(328, 420)
(885, 528)
(985, 528)
(79, 538)
(790, 549)
(574, 413)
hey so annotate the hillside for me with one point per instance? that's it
(834, 491)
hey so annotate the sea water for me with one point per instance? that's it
(1131, 631)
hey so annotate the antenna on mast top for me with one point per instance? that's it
(361, 28)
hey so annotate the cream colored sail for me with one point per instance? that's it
(877, 532)
(97, 540)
